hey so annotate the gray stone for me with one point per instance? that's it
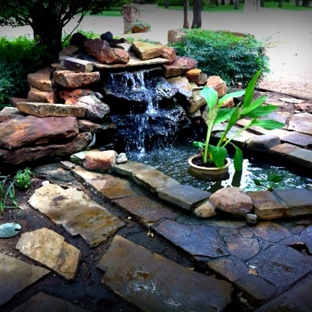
(50, 249)
(154, 283)
(232, 200)
(282, 266)
(298, 201)
(301, 123)
(82, 215)
(17, 275)
(196, 239)
(129, 168)
(306, 236)
(270, 231)
(121, 158)
(251, 218)
(43, 303)
(146, 209)
(303, 140)
(263, 143)
(184, 196)
(50, 110)
(301, 156)
(76, 65)
(242, 247)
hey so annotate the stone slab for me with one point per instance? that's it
(51, 110)
(130, 167)
(198, 240)
(298, 201)
(301, 123)
(76, 212)
(300, 139)
(154, 283)
(269, 231)
(154, 180)
(184, 196)
(266, 205)
(75, 64)
(44, 303)
(281, 265)
(146, 209)
(297, 299)
(17, 275)
(301, 156)
(50, 249)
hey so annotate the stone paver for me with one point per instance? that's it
(82, 215)
(301, 123)
(154, 283)
(49, 248)
(43, 302)
(17, 275)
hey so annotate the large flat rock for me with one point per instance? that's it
(154, 283)
(76, 212)
(50, 249)
(17, 275)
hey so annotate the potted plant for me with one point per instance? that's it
(138, 26)
(215, 156)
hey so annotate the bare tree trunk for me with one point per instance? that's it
(216, 2)
(280, 3)
(297, 2)
(197, 20)
(306, 3)
(236, 4)
(167, 4)
(222, 2)
(185, 14)
(262, 3)
(231, 2)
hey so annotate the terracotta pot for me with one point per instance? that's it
(136, 29)
(209, 173)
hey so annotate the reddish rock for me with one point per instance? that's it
(99, 161)
(9, 113)
(175, 35)
(71, 80)
(41, 79)
(30, 130)
(30, 153)
(36, 95)
(72, 96)
(169, 54)
(180, 65)
(218, 84)
(196, 75)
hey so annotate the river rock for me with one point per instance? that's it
(232, 200)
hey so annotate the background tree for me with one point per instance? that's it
(48, 18)
(197, 8)
(185, 14)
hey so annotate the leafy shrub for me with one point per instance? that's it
(233, 57)
(18, 57)
(22, 178)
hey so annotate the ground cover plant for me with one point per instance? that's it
(233, 57)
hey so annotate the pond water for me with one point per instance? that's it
(256, 174)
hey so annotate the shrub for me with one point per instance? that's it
(18, 57)
(233, 57)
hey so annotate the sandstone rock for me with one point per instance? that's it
(263, 143)
(36, 95)
(232, 200)
(89, 126)
(30, 153)
(146, 51)
(50, 249)
(71, 50)
(51, 110)
(30, 130)
(9, 113)
(175, 35)
(228, 103)
(180, 65)
(196, 75)
(96, 110)
(100, 161)
(41, 79)
(218, 84)
(205, 210)
(72, 96)
(72, 80)
(76, 65)
(169, 54)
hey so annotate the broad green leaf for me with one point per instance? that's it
(249, 93)
(268, 124)
(199, 144)
(233, 119)
(223, 115)
(218, 155)
(238, 159)
(262, 111)
(253, 105)
(230, 95)
(210, 95)
(275, 177)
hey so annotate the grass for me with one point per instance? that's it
(290, 6)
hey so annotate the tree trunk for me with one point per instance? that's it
(185, 14)
(297, 2)
(216, 2)
(306, 3)
(48, 33)
(167, 4)
(262, 3)
(222, 2)
(231, 2)
(236, 4)
(280, 3)
(197, 20)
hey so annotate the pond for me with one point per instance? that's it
(256, 174)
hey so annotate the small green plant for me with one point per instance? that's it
(7, 193)
(22, 178)
(141, 24)
(216, 154)
(269, 181)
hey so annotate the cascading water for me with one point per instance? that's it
(143, 108)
